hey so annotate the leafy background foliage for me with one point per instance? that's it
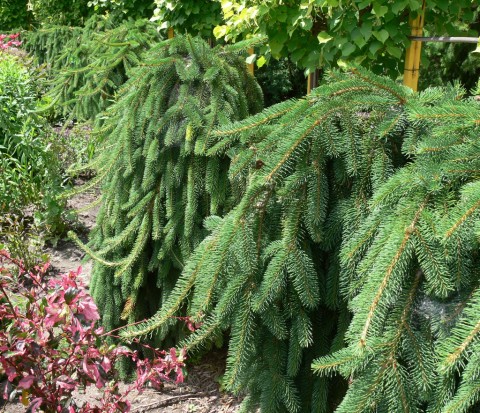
(127, 8)
(27, 163)
(315, 33)
(66, 12)
(14, 14)
(188, 16)
(280, 80)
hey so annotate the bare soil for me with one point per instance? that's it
(199, 393)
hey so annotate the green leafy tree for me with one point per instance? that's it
(280, 80)
(189, 16)
(63, 12)
(14, 14)
(157, 186)
(353, 247)
(319, 33)
(129, 8)
(449, 63)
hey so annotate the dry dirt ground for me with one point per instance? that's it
(199, 394)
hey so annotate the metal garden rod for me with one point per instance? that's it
(445, 39)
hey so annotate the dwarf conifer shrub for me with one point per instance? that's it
(353, 249)
(46, 44)
(157, 183)
(98, 65)
(87, 65)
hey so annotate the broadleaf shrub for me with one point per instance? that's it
(26, 161)
(50, 344)
(9, 41)
(31, 171)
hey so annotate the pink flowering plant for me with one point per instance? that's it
(50, 345)
(9, 41)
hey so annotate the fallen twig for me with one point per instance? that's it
(170, 401)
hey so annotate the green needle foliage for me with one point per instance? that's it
(47, 44)
(354, 247)
(88, 65)
(158, 185)
(99, 66)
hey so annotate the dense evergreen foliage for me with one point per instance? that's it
(49, 43)
(355, 244)
(332, 240)
(87, 65)
(157, 184)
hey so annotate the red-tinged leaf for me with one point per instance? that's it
(106, 364)
(26, 382)
(93, 352)
(179, 378)
(67, 383)
(70, 295)
(100, 382)
(11, 373)
(85, 367)
(35, 404)
(76, 328)
(88, 308)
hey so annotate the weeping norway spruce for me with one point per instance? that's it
(347, 272)
(157, 183)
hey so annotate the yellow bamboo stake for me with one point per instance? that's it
(170, 33)
(251, 66)
(309, 83)
(412, 58)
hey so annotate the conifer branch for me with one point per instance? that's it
(380, 85)
(408, 232)
(462, 219)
